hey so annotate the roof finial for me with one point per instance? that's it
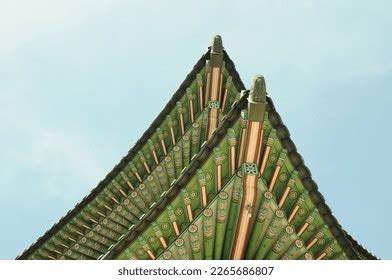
(216, 52)
(258, 89)
(217, 45)
(257, 99)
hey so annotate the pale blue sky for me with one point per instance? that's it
(80, 81)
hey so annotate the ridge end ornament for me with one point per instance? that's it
(257, 100)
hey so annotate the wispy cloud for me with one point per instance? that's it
(35, 146)
(77, 76)
(22, 21)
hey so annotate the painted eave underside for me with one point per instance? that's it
(349, 245)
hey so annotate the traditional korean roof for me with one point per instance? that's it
(215, 176)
